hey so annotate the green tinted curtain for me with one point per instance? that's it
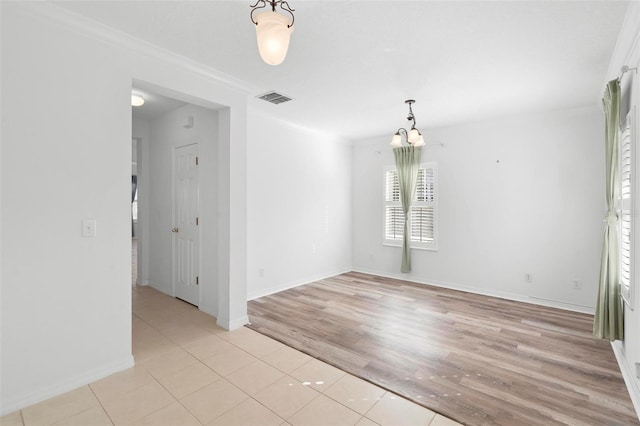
(608, 322)
(407, 165)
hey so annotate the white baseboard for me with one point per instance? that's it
(633, 384)
(232, 324)
(296, 283)
(499, 294)
(12, 404)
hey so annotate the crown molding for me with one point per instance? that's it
(626, 50)
(101, 32)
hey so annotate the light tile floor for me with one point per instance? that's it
(191, 372)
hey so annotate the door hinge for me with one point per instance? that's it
(197, 280)
(197, 221)
(196, 161)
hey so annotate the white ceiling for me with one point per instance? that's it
(351, 64)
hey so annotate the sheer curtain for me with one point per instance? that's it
(407, 165)
(608, 322)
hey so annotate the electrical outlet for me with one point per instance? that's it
(528, 277)
(261, 273)
(577, 285)
(88, 228)
(638, 370)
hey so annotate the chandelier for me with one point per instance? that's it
(273, 30)
(413, 137)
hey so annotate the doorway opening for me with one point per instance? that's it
(176, 198)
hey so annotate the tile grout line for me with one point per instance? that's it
(269, 409)
(100, 403)
(158, 382)
(174, 397)
(291, 377)
(213, 370)
(165, 388)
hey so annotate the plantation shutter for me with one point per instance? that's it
(394, 217)
(423, 222)
(423, 210)
(625, 208)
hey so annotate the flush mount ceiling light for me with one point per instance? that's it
(413, 137)
(137, 100)
(273, 30)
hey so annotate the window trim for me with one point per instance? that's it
(430, 246)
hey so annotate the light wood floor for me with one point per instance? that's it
(476, 359)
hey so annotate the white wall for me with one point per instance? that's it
(517, 195)
(299, 205)
(66, 300)
(166, 134)
(627, 52)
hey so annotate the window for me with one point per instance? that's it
(625, 210)
(423, 218)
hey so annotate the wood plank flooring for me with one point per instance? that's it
(476, 359)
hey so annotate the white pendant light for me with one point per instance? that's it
(396, 141)
(413, 137)
(273, 31)
(273, 35)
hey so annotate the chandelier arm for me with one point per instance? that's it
(288, 9)
(256, 7)
(403, 132)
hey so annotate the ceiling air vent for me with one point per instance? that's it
(274, 97)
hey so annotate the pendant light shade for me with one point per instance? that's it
(396, 141)
(273, 29)
(273, 32)
(415, 137)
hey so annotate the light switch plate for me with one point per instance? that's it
(88, 228)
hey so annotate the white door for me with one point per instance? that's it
(186, 242)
